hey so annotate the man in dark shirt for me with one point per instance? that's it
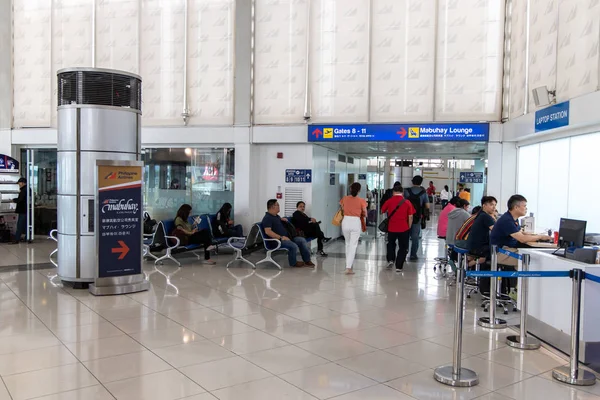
(275, 229)
(479, 238)
(309, 226)
(507, 232)
(21, 210)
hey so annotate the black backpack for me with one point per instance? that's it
(149, 224)
(415, 199)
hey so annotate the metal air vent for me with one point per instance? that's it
(79, 86)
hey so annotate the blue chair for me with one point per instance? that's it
(271, 246)
(172, 243)
(211, 218)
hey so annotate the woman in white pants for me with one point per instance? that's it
(355, 211)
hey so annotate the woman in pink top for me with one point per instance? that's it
(443, 221)
(354, 209)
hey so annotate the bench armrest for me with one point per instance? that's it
(52, 233)
(272, 240)
(177, 242)
(235, 239)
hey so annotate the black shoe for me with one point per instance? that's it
(413, 258)
(325, 240)
(322, 253)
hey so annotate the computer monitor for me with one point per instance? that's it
(571, 233)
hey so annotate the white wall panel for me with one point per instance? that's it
(518, 58)
(402, 64)
(553, 168)
(210, 61)
(117, 34)
(542, 45)
(280, 61)
(71, 39)
(469, 60)
(339, 52)
(583, 190)
(31, 74)
(577, 59)
(162, 52)
(528, 176)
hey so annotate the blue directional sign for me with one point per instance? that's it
(474, 132)
(471, 177)
(552, 117)
(298, 176)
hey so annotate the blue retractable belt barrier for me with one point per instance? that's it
(511, 254)
(592, 278)
(519, 274)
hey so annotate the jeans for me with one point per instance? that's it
(351, 229)
(415, 233)
(444, 204)
(21, 227)
(402, 238)
(295, 245)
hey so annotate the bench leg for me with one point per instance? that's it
(269, 258)
(167, 256)
(196, 254)
(146, 253)
(239, 257)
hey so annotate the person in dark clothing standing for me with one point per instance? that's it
(21, 210)
(309, 226)
(417, 195)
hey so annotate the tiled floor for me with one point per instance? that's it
(205, 333)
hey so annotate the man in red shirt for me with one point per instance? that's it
(400, 213)
(431, 191)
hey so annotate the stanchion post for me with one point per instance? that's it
(491, 321)
(523, 341)
(455, 375)
(571, 374)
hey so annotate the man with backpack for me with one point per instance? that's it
(417, 195)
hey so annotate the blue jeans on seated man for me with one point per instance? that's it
(295, 245)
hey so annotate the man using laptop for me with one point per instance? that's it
(507, 233)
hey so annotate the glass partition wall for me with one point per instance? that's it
(201, 177)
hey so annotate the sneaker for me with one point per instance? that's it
(390, 265)
(398, 269)
(209, 262)
(309, 264)
(413, 258)
(322, 253)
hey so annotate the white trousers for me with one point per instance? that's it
(351, 229)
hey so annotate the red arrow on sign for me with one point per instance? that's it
(317, 132)
(123, 249)
(402, 133)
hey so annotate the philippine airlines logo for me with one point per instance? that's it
(111, 175)
(121, 206)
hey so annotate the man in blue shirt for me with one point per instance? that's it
(275, 229)
(417, 195)
(507, 233)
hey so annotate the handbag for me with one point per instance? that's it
(338, 217)
(385, 224)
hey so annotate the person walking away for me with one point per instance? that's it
(431, 192)
(420, 201)
(354, 209)
(21, 210)
(443, 219)
(445, 196)
(309, 226)
(224, 226)
(400, 213)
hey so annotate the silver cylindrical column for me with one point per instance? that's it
(99, 115)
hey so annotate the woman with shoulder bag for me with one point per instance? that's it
(355, 212)
(400, 215)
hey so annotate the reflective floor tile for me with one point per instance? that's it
(336, 348)
(493, 396)
(28, 341)
(494, 376)
(87, 332)
(538, 388)
(126, 366)
(49, 381)
(249, 342)
(532, 362)
(201, 396)
(97, 392)
(421, 328)
(381, 337)
(238, 308)
(423, 386)
(154, 339)
(593, 389)
(171, 304)
(69, 320)
(311, 312)
(471, 344)
(285, 359)
(191, 317)
(193, 353)
(342, 324)
(21, 326)
(154, 322)
(381, 366)
(224, 373)
(378, 316)
(348, 306)
(426, 353)
(379, 392)
(265, 389)
(101, 348)
(220, 327)
(328, 380)
(267, 320)
(166, 385)
(33, 360)
(300, 332)
(130, 312)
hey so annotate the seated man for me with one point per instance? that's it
(507, 233)
(275, 229)
(309, 226)
(478, 242)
